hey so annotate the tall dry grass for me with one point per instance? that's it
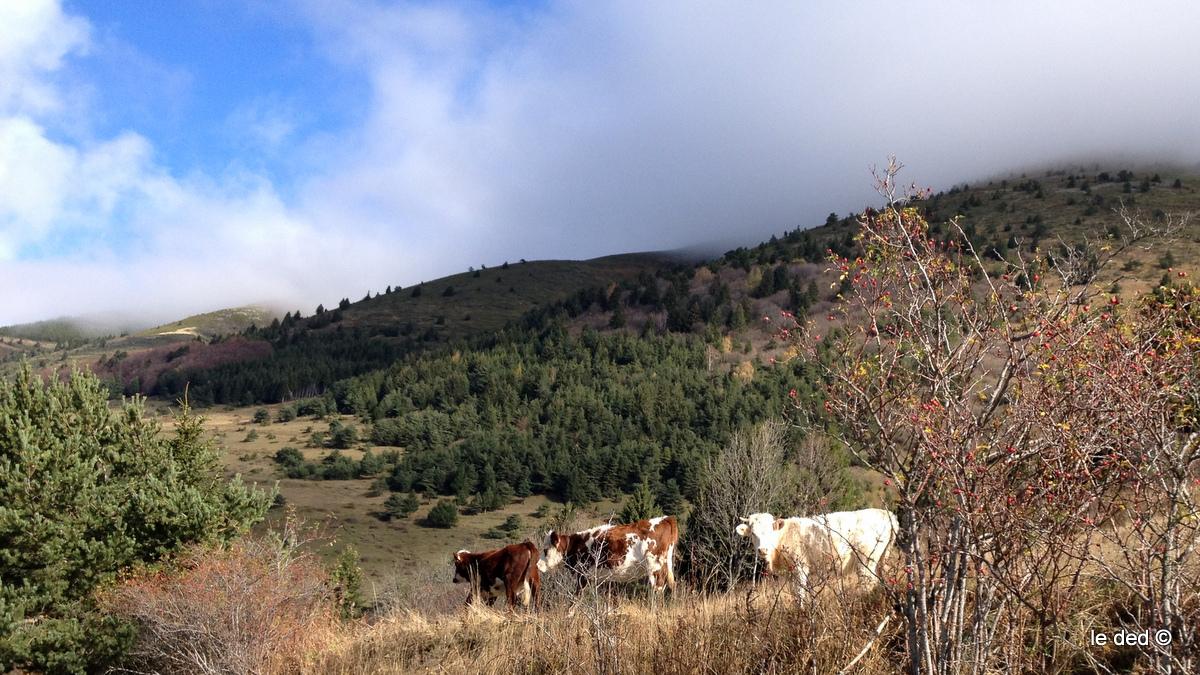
(760, 630)
(262, 605)
(256, 606)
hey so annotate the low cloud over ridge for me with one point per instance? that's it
(571, 130)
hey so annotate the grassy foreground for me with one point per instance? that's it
(756, 629)
(751, 632)
(268, 605)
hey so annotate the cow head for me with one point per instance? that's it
(462, 567)
(764, 531)
(552, 551)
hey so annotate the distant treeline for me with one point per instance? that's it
(310, 354)
(64, 333)
(301, 363)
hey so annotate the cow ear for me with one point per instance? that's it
(778, 524)
(741, 530)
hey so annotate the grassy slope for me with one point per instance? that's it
(489, 303)
(211, 324)
(480, 304)
(144, 344)
(51, 330)
(1072, 221)
(71, 329)
(388, 549)
(763, 631)
(488, 299)
(694, 633)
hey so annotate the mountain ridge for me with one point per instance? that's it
(719, 295)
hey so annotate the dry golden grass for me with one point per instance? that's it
(759, 631)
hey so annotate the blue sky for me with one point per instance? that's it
(170, 158)
(192, 75)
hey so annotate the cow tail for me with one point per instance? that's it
(532, 577)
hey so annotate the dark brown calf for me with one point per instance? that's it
(512, 569)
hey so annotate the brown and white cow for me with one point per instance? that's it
(640, 551)
(512, 570)
(844, 543)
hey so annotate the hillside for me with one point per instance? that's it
(486, 299)
(305, 354)
(212, 324)
(129, 359)
(1029, 211)
(1032, 211)
(69, 331)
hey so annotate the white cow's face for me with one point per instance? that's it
(551, 556)
(764, 531)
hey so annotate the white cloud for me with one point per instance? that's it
(594, 128)
(34, 174)
(35, 37)
(93, 225)
(265, 124)
(48, 187)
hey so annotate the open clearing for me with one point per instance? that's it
(388, 549)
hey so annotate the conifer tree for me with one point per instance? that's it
(444, 514)
(618, 316)
(111, 491)
(639, 505)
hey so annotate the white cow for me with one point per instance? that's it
(845, 542)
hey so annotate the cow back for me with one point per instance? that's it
(609, 546)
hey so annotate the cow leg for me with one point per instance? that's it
(877, 568)
(802, 579)
(510, 594)
(524, 596)
(658, 585)
(661, 579)
(873, 575)
(671, 568)
(535, 590)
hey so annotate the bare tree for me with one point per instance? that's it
(753, 473)
(823, 479)
(1154, 558)
(978, 390)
